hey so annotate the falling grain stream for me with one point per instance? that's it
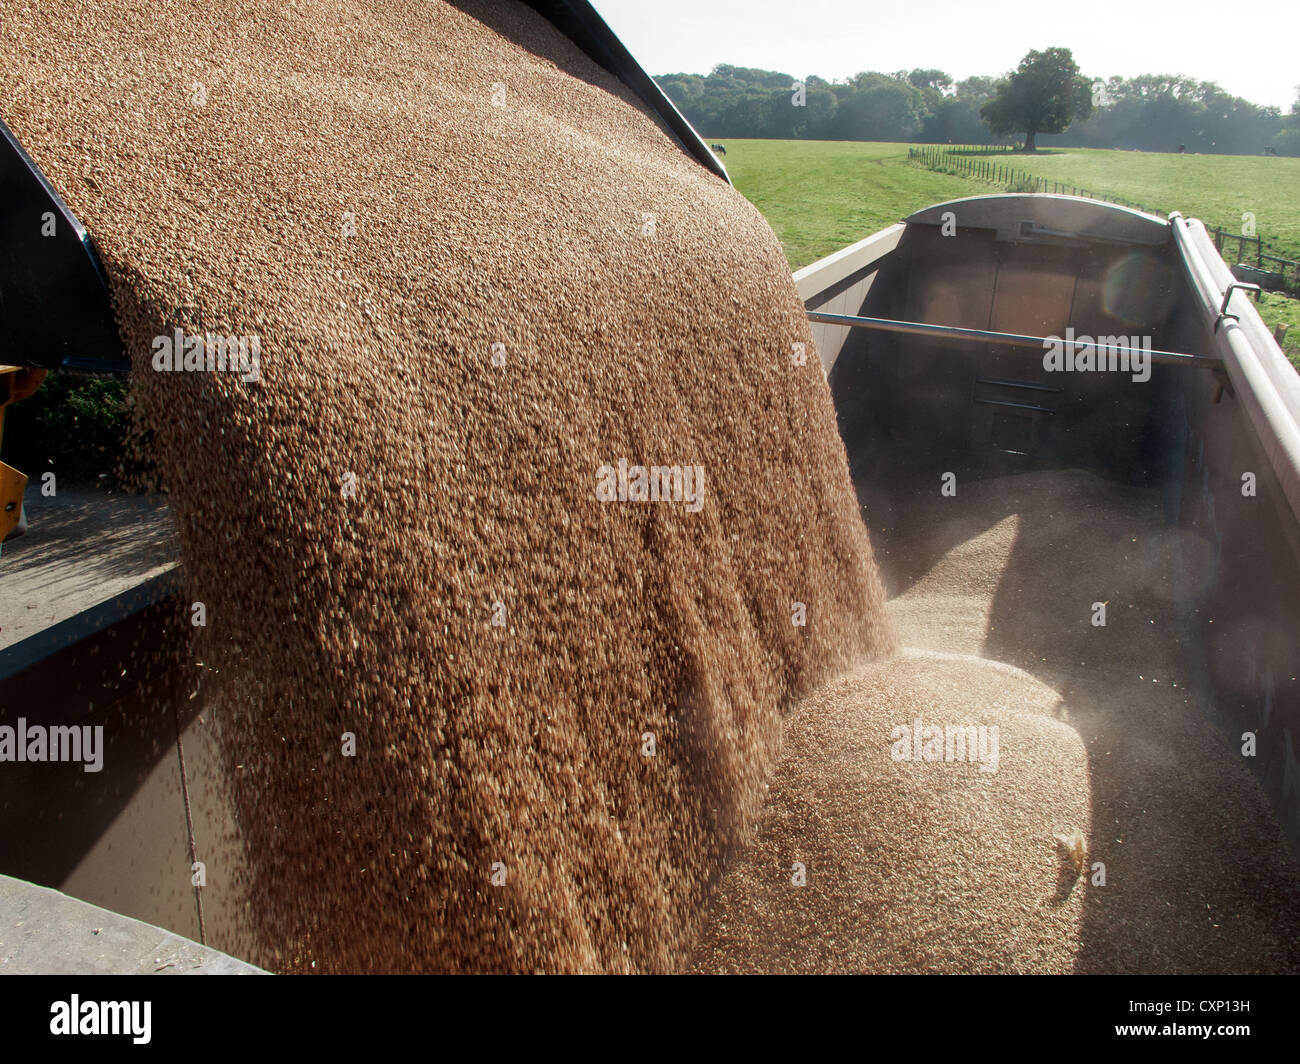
(479, 271)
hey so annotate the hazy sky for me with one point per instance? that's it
(1247, 48)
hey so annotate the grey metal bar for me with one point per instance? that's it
(1019, 406)
(952, 332)
(1003, 382)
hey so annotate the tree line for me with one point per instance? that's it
(1150, 112)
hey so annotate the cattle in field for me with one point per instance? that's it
(719, 149)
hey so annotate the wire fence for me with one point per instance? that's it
(971, 161)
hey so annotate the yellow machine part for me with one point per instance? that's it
(16, 383)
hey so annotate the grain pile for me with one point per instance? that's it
(938, 866)
(911, 866)
(380, 193)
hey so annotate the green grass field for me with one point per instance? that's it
(1217, 189)
(820, 196)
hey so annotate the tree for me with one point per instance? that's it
(878, 107)
(1288, 141)
(937, 80)
(977, 88)
(1044, 95)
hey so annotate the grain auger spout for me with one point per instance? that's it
(56, 310)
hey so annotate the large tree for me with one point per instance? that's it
(1044, 95)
